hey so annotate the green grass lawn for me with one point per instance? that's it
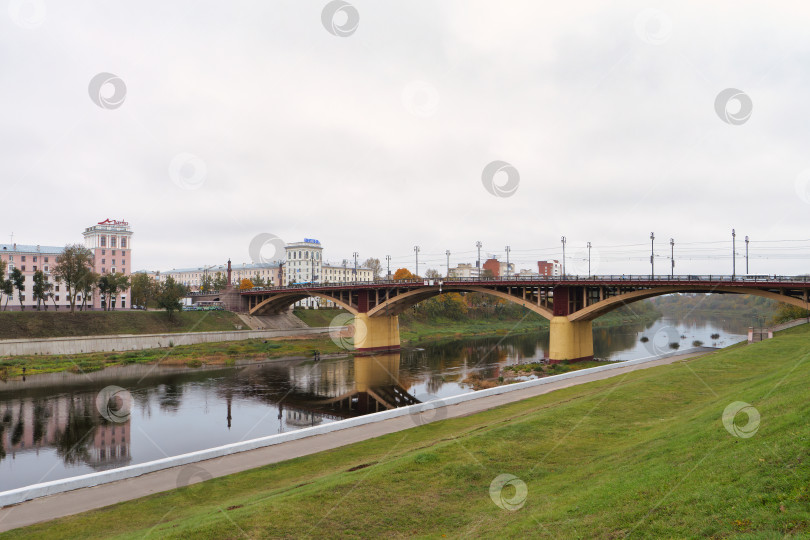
(643, 455)
(46, 324)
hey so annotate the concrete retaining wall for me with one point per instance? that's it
(19, 495)
(88, 344)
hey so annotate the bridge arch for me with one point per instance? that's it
(609, 304)
(278, 302)
(405, 300)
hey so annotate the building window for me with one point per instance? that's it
(113, 252)
(35, 258)
(112, 241)
(57, 290)
(103, 261)
(103, 270)
(123, 243)
(103, 241)
(103, 251)
(23, 258)
(22, 268)
(46, 259)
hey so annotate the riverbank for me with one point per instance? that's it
(52, 324)
(644, 454)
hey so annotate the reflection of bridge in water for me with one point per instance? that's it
(317, 391)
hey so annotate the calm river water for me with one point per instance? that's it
(60, 425)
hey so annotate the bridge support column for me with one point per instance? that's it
(572, 341)
(376, 334)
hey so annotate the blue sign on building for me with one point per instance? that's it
(312, 241)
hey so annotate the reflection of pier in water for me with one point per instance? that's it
(312, 392)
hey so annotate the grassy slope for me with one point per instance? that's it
(644, 454)
(44, 324)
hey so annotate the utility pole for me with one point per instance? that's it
(733, 253)
(672, 257)
(388, 260)
(652, 255)
(478, 263)
(562, 239)
(448, 262)
(508, 249)
(416, 250)
(355, 254)
(746, 254)
(589, 259)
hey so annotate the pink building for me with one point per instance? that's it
(111, 244)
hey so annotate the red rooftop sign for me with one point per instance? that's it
(109, 221)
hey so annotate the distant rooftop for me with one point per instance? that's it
(26, 248)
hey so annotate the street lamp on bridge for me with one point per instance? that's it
(508, 249)
(448, 262)
(746, 254)
(355, 255)
(672, 257)
(652, 255)
(733, 253)
(562, 239)
(589, 259)
(478, 263)
(388, 260)
(416, 250)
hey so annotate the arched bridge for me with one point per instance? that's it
(569, 303)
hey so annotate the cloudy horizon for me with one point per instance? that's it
(233, 120)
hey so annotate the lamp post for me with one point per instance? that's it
(672, 257)
(746, 254)
(416, 251)
(478, 263)
(355, 255)
(388, 260)
(589, 259)
(508, 249)
(652, 255)
(448, 262)
(562, 239)
(733, 253)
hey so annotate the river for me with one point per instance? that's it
(61, 425)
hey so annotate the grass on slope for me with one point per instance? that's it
(46, 324)
(643, 454)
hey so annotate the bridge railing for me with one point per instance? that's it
(596, 279)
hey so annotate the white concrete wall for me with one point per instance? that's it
(87, 344)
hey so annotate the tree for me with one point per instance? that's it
(169, 296)
(220, 282)
(403, 274)
(432, 273)
(73, 268)
(142, 289)
(207, 282)
(245, 284)
(87, 286)
(18, 279)
(52, 296)
(41, 289)
(104, 290)
(375, 266)
(7, 288)
(257, 280)
(117, 282)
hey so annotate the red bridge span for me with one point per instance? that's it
(569, 303)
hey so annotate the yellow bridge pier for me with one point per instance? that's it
(572, 341)
(376, 334)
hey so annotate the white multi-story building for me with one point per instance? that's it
(465, 270)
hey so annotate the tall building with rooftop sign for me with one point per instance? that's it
(111, 244)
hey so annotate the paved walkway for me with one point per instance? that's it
(82, 500)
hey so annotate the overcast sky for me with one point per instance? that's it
(242, 118)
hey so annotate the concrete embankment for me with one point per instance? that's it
(90, 344)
